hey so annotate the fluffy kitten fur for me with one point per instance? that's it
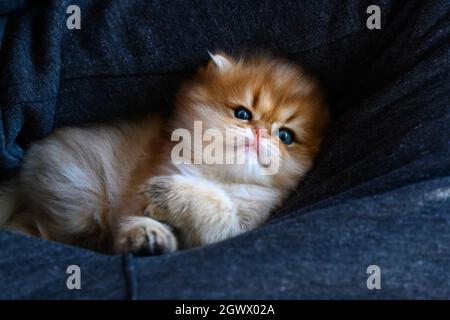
(114, 188)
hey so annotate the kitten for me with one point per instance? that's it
(115, 188)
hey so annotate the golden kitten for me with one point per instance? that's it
(116, 188)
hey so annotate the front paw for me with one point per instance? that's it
(157, 213)
(145, 236)
(158, 191)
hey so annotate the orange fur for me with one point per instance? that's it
(114, 188)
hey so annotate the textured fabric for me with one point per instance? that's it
(36, 269)
(378, 195)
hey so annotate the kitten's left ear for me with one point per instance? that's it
(221, 61)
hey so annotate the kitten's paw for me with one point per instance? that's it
(158, 190)
(157, 213)
(145, 236)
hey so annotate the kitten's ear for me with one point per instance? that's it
(220, 61)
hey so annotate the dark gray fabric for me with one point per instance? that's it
(379, 193)
(7, 6)
(322, 254)
(37, 269)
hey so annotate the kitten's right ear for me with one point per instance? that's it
(220, 61)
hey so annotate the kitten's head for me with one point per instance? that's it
(275, 113)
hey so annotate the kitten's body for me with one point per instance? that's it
(115, 188)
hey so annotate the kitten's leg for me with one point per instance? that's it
(206, 212)
(144, 235)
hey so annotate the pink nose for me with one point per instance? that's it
(258, 131)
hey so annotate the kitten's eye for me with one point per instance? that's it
(242, 113)
(286, 135)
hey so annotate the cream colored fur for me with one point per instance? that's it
(114, 188)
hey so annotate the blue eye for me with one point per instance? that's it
(286, 136)
(242, 113)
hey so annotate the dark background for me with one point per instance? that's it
(379, 193)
